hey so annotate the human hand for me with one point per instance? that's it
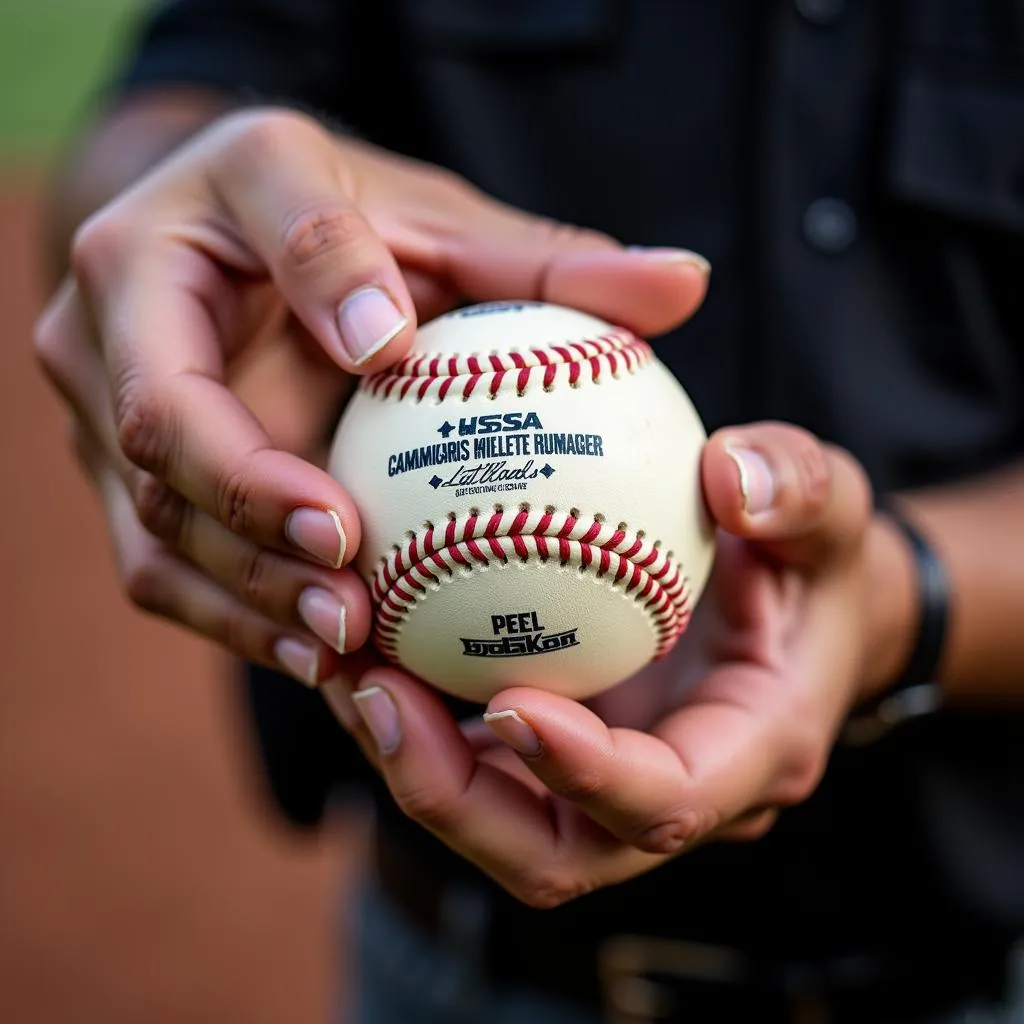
(791, 631)
(267, 243)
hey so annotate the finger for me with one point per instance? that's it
(175, 418)
(445, 231)
(73, 365)
(480, 738)
(431, 294)
(65, 350)
(282, 181)
(353, 667)
(505, 254)
(645, 294)
(173, 415)
(69, 356)
(543, 853)
(700, 769)
(159, 582)
(337, 692)
(333, 605)
(804, 501)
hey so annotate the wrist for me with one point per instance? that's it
(892, 607)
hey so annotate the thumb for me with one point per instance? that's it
(804, 501)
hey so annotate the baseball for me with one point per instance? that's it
(528, 480)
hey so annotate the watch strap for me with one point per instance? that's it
(915, 691)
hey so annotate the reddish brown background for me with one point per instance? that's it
(141, 877)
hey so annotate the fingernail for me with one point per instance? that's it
(379, 713)
(318, 532)
(664, 255)
(325, 615)
(337, 695)
(757, 484)
(368, 320)
(514, 730)
(298, 658)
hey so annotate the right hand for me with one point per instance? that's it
(265, 225)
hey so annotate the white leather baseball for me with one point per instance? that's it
(528, 482)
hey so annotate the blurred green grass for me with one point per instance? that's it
(54, 54)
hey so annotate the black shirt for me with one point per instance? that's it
(855, 173)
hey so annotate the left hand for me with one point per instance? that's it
(790, 633)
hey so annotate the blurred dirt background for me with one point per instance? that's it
(142, 875)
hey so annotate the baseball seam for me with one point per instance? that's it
(430, 375)
(638, 565)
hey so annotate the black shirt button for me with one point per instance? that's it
(821, 12)
(830, 226)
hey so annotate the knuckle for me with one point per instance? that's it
(237, 500)
(254, 136)
(96, 244)
(50, 345)
(233, 628)
(759, 828)
(144, 583)
(802, 772)
(255, 573)
(751, 828)
(448, 188)
(144, 430)
(549, 887)
(675, 830)
(432, 808)
(582, 785)
(159, 509)
(311, 235)
(561, 235)
(814, 475)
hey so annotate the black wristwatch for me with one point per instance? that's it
(916, 692)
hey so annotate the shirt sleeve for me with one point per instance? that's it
(256, 50)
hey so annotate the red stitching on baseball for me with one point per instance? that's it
(422, 373)
(477, 540)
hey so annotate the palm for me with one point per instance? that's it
(733, 653)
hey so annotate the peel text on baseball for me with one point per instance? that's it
(519, 634)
